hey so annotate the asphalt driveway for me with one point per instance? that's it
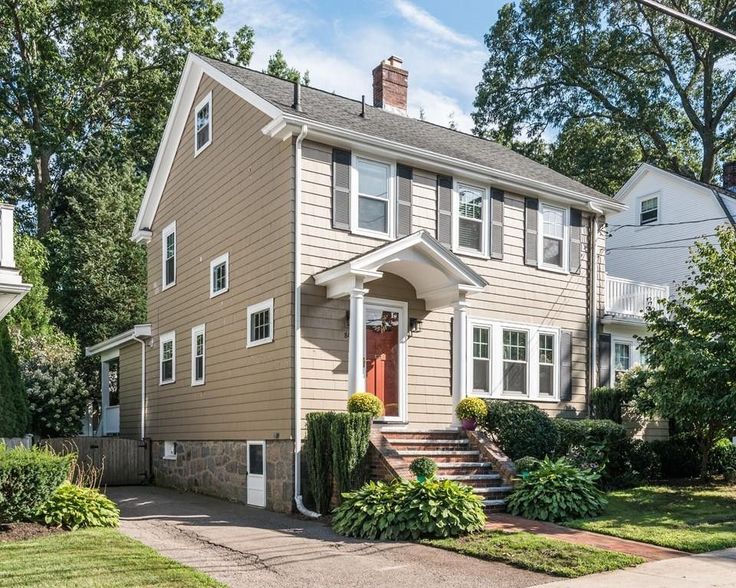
(243, 546)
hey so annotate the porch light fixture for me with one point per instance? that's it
(415, 326)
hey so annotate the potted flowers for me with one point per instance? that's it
(364, 402)
(470, 410)
(423, 468)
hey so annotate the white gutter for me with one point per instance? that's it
(594, 295)
(298, 325)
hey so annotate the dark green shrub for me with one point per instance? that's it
(599, 442)
(643, 462)
(409, 510)
(74, 507)
(27, 479)
(520, 429)
(722, 457)
(606, 403)
(525, 464)
(679, 456)
(423, 467)
(14, 412)
(319, 458)
(364, 402)
(556, 490)
(350, 438)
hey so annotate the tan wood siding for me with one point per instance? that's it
(516, 293)
(236, 196)
(129, 382)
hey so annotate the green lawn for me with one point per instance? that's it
(689, 518)
(92, 558)
(536, 553)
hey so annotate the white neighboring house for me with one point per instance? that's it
(12, 288)
(647, 250)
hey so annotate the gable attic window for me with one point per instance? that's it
(649, 210)
(260, 323)
(167, 357)
(553, 242)
(219, 275)
(372, 204)
(168, 254)
(203, 124)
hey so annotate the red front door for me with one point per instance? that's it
(382, 357)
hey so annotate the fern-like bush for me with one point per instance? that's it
(409, 510)
(364, 402)
(74, 507)
(556, 490)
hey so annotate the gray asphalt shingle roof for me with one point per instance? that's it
(322, 106)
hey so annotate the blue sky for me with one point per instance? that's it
(440, 42)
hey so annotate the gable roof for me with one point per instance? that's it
(332, 114)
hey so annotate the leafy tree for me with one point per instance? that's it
(691, 345)
(14, 416)
(278, 67)
(665, 85)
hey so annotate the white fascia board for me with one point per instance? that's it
(137, 332)
(625, 190)
(444, 163)
(191, 76)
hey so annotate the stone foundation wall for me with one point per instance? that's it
(218, 468)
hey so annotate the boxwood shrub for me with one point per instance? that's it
(520, 429)
(27, 479)
(678, 455)
(407, 509)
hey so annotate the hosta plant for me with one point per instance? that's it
(365, 402)
(557, 490)
(409, 510)
(74, 507)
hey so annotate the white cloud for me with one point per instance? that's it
(428, 23)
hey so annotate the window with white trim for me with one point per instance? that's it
(481, 360)
(621, 359)
(203, 124)
(260, 323)
(168, 256)
(649, 210)
(167, 357)
(471, 224)
(170, 450)
(553, 237)
(219, 275)
(198, 346)
(372, 197)
(515, 365)
(547, 362)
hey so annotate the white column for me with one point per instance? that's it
(459, 352)
(356, 343)
(105, 380)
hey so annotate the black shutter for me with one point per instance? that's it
(341, 162)
(496, 223)
(576, 226)
(531, 222)
(604, 359)
(566, 366)
(405, 176)
(444, 210)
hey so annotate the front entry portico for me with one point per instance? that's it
(439, 277)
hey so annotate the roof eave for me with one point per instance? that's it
(137, 332)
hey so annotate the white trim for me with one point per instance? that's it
(206, 101)
(355, 198)
(137, 332)
(169, 451)
(262, 477)
(251, 310)
(224, 258)
(196, 331)
(168, 230)
(403, 309)
(166, 338)
(110, 354)
(565, 268)
(634, 353)
(484, 222)
(640, 200)
(496, 359)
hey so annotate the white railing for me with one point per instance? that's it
(112, 420)
(632, 298)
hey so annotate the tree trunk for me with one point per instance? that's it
(709, 158)
(705, 447)
(42, 182)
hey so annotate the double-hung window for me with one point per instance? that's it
(168, 256)
(553, 252)
(515, 352)
(649, 210)
(167, 357)
(203, 124)
(219, 276)
(481, 360)
(547, 362)
(260, 323)
(471, 219)
(198, 344)
(621, 359)
(373, 209)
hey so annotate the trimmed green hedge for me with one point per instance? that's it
(28, 477)
(604, 442)
(520, 429)
(14, 411)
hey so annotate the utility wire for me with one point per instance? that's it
(650, 245)
(688, 19)
(653, 225)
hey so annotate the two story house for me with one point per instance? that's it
(303, 246)
(12, 287)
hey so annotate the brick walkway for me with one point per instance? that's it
(510, 523)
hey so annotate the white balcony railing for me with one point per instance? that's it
(626, 297)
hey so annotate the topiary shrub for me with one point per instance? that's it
(27, 479)
(722, 457)
(606, 403)
(556, 490)
(364, 402)
(524, 465)
(679, 456)
(423, 468)
(349, 441)
(74, 507)
(520, 429)
(317, 447)
(406, 510)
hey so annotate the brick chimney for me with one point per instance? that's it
(390, 84)
(729, 175)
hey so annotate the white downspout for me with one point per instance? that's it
(298, 325)
(143, 386)
(594, 295)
